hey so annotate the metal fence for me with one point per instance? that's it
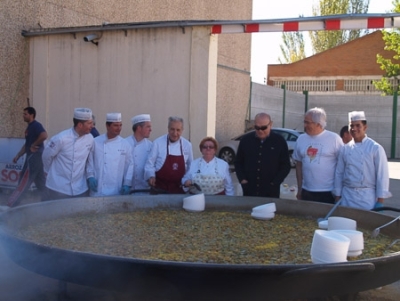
(287, 110)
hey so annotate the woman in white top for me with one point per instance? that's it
(209, 172)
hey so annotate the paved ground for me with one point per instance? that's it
(18, 284)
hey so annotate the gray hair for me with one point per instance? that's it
(174, 119)
(318, 115)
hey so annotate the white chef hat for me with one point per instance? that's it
(356, 116)
(113, 117)
(83, 114)
(140, 118)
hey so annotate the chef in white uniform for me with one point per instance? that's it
(110, 166)
(141, 147)
(362, 173)
(65, 157)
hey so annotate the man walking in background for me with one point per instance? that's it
(32, 171)
(316, 154)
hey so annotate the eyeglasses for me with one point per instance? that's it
(207, 147)
(261, 128)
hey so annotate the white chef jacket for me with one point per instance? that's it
(140, 153)
(216, 167)
(158, 154)
(362, 174)
(64, 160)
(110, 163)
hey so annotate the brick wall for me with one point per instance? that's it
(355, 58)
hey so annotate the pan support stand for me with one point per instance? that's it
(62, 291)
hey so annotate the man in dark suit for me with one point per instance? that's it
(262, 161)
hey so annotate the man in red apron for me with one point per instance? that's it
(169, 159)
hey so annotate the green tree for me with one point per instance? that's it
(390, 80)
(324, 40)
(293, 47)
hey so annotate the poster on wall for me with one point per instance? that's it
(9, 174)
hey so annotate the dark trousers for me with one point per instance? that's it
(32, 172)
(318, 196)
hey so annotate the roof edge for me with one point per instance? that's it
(188, 23)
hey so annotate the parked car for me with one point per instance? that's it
(228, 149)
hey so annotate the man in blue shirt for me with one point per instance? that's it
(32, 171)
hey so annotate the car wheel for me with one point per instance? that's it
(292, 161)
(227, 154)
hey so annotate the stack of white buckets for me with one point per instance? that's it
(340, 241)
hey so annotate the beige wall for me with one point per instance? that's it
(16, 15)
(161, 71)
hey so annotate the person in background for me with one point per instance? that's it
(65, 158)
(262, 161)
(210, 173)
(345, 135)
(362, 172)
(141, 147)
(110, 167)
(316, 154)
(32, 171)
(94, 131)
(169, 159)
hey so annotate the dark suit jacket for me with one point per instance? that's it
(264, 165)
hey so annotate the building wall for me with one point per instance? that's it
(16, 15)
(127, 72)
(353, 60)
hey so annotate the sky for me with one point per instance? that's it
(265, 47)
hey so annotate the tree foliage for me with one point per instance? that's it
(293, 47)
(324, 40)
(390, 80)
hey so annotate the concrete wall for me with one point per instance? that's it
(270, 100)
(15, 15)
(378, 110)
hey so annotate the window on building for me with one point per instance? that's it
(308, 85)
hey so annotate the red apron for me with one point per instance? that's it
(169, 176)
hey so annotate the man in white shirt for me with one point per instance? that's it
(65, 157)
(141, 147)
(362, 173)
(110, 166)
(316, 155)
(169, 159)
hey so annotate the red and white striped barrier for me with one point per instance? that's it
(340, 22)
